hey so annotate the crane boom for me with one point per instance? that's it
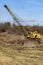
(13, 15)
(16, 19)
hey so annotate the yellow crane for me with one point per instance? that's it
(28, 35)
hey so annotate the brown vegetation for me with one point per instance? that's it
(12, 48)
(15, 29)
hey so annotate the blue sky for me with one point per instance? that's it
(31, 11)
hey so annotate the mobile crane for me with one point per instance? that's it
(28, 35)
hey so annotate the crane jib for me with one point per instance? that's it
(16, 19)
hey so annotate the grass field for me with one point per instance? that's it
(12, 55)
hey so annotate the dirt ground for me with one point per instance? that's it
(18, 40)
(11, 53)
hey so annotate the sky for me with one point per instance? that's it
(30, 11)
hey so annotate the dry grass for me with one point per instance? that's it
(11, 55)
